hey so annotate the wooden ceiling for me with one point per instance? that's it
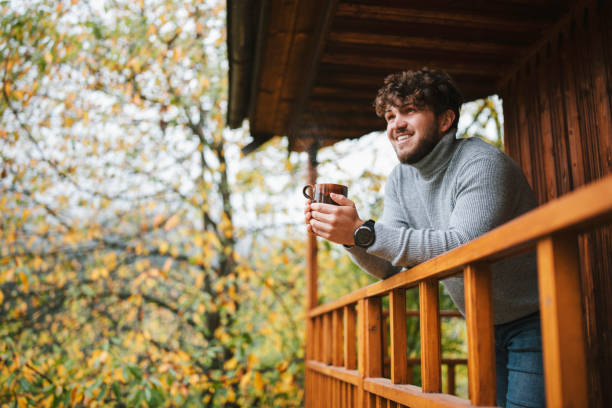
(310, 69)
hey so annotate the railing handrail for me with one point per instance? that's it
(585, 207)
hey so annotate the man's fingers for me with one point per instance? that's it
(323, 217)
(319, 227)
(342, 200)
(324, 208)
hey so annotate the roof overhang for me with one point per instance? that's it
(310, 69)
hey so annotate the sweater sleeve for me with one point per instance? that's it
(486, 194)
(373, 264)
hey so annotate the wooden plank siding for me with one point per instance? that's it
(558, 127)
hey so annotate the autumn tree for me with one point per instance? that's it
(120, 281)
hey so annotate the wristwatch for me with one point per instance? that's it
(364, 235)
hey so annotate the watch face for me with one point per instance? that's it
(363, 236)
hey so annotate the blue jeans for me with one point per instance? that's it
(518, 354)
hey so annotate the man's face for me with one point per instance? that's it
(413, 132)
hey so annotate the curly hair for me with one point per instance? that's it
(423, 88)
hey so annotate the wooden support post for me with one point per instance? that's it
(337, 329)
(361, 355)
(350, 353)
(311, 247)
(313, 336)
(327, 339)
(397, 316)
(562, 322)
(431, 354)
(310, 344)
(374, 360)
(481, 341)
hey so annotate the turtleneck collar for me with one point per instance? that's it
(439, 157)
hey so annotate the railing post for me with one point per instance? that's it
(431, 355)
(562, 322)
(374, 361)
(369, 320)
(317, 337)
(312, 336)
(397, 316)
(361, 355)
(327, 339)
(337, 328)
(350, 354)
(481, 339)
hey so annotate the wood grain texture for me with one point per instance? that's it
(337, 337)
(350, 337)
(397, 316)
(562, 323)
(373, 363)
(327, 339)
(431, 351)
(412, 396)
(481, 341)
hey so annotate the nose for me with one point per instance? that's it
(400, 121)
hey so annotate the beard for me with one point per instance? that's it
(424, 145)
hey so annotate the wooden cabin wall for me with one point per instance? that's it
(558, 127)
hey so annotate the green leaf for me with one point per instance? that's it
(136, 371)
(116, 390)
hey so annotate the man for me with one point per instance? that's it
(444, 193)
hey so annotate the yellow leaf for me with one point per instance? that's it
(110, 260)
(24, 281)
(1, 297)
(73, 396)
(47, 402)
(163, 247)
(258, 382)
(231, 395)
(159, 218)
(172, 222)
(245, 380)
(231, 364)
(252, 359)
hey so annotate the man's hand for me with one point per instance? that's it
(335, 223)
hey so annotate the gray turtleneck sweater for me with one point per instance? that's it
(460, 190)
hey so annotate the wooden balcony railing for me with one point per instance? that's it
(344, 345)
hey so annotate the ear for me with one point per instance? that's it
(445, 120)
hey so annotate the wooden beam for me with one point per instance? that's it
(406, 43)
(309, 73)
(258, 140)
(446, 16)
(407, 62)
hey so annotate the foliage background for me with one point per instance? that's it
(143, 261)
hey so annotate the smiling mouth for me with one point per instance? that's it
(402, 138)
